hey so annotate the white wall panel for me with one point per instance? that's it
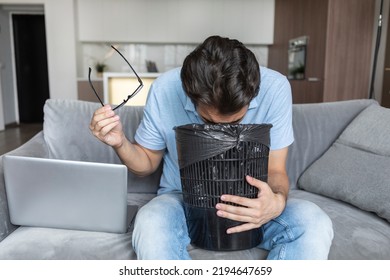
(175, 21)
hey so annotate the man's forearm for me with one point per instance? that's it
(279, 183)
(138, 160)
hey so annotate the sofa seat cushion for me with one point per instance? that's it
(61, 244)
(358, 234)
(355, 169)
(249, 254)
(33, 243)
(30, 243)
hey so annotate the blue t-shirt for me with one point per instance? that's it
(168, 106)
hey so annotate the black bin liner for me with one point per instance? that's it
(214, 160)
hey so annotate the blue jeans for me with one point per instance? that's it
(302, 231)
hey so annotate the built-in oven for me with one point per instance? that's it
(297, 58)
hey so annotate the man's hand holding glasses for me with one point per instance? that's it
(105, 124)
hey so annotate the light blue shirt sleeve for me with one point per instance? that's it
(280, 116)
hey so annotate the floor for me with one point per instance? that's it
(16, 135)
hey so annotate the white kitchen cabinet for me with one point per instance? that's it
(175, 21)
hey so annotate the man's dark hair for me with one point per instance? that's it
(221, 73)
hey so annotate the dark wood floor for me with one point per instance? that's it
(15, 135)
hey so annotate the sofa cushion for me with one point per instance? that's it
(29, 243)
(64, 244)
(358, 234)
(355, 169)
(67, 135)
(310, 142)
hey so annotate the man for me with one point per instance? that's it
(218, 83)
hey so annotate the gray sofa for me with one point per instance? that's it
(340, 160)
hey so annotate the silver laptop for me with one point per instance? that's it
(67, 194)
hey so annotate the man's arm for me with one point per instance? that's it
(139, 160)
(277, 174)
(270, 202)
(107, 127)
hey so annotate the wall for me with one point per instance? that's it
(166, 31)
(6, 73)
(166, 56)
(61, 46)
(68, 57)
(175, 21)
(61, 50)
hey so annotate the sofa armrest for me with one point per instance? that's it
(35, 147)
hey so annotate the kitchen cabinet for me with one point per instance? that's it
(175, 21)
(385, 100)
(338, 55)
(2, 125)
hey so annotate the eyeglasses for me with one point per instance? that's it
(129, 96)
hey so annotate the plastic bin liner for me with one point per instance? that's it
(196, 142)
(214, 160)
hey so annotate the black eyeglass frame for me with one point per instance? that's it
(141, 84)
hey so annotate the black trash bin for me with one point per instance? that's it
(214, 160)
